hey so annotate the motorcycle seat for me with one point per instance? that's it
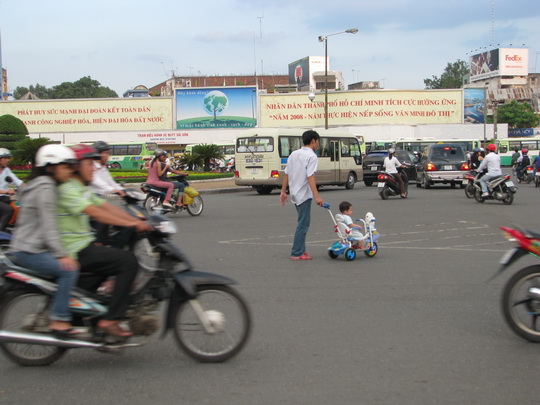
(147, 187)
(11, 261)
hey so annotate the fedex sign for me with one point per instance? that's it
(514, 62)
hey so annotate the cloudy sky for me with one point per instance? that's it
(125, 43)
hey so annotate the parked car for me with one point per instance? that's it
(373, 164)
(443, 163)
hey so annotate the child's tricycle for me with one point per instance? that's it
(347, 245)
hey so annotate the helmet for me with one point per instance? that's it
(391, 150)
(492, 147)
(476, 150)
(159, 152)
(524, 151)
(54, 155)
(83, 151)
(516, 149)
(100, 146)
(4, 153)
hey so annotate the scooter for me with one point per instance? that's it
(469, 178)
(527, 175)
(501, 189)
(210, 319)
(537, 178)
(156, 196)
(521, 294)
(389, 186)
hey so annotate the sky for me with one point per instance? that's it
(125, 43)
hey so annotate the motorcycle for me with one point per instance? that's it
(469, 187)
(521, 293)
(389, 186)
(156, 195)
(501, 189)
(211, 321)
(527, 175)
(537, 178)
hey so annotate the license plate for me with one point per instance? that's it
(529, 171)
(509, 184)
(254, 171)
(507, 256)
(374, 168)
(381, 184)
(537, 174)
(448, 167)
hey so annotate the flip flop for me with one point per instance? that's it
(70, 333)
(305, 256)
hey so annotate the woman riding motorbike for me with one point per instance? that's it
(391, 164)
(157, 176)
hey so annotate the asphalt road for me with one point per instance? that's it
(416, 324)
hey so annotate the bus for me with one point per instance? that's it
(419, 144)
(261, 158)
(507, 146)
(131, 155)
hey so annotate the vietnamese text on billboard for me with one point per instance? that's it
(364, 108)
(222, 107)
(49, 116)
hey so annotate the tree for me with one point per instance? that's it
(191, 160)
(207, 153)
(12, 130)
(517, 115)
(452, 77)
(25, 150)
(85, 87)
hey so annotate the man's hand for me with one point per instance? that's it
(121, 193)
(68, 263)
(283, 197)
(319, 201)
(142, 226)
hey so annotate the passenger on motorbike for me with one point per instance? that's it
(515, 156)
(6, 210)
(36, 239)
(76, 205)
(491, 163)
(522, 162)
(476, 159)
(391, 164)
(157, 176)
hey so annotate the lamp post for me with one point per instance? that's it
(325, 40)
(485, 113)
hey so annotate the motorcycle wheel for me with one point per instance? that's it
(19, 311)
(384, 193)
(469, 190)
(151, 203)
(478, 195)
(520, 309)
(372, 251)
(536, 181)
(227, 313)
(509, 198)
(528, 178)
(196, 207)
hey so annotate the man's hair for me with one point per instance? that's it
(308, 136)
(344, 206)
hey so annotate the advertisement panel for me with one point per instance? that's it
(299, 73)
(219, 107)
(474, 106)
(484, 65)
(363, 108)
(514, 62)
(116, 114)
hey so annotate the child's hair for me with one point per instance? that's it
(344, 206)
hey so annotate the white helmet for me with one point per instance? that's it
(54, 155)
(4, 153)
(391, 150)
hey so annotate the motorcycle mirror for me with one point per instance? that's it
(9, 179)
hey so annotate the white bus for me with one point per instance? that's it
(261, 157)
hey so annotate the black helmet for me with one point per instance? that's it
(159, 152)
(476, 150)
(100, 146)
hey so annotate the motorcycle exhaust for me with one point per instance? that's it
(35, 339)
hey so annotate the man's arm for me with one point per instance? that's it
(111, 215)
(313, 186)
(283, 194)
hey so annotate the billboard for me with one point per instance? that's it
(83, 115)
(408, 107)
(474, 106)
(301, 71)
(219, 107)
(500, 62)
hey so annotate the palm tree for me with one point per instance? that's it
(25, 150)
(207, 153)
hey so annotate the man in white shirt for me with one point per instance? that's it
(300, 178)
(6, 211)
(102, 183)
(491, 163)
(391, 164)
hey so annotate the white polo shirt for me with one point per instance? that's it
(302, 163)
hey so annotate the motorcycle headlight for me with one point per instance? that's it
(166, 227)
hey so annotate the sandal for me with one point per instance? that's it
(70, 333)
(304, 256)
(114, 329)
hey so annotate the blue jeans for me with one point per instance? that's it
(484, 181)
(45, 263)
(304, 219)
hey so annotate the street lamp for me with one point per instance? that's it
(325, 40)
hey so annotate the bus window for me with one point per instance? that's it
(288, 144)
(254, 144)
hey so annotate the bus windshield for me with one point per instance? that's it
(254, 144)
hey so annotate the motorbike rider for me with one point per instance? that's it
(515, 156)
(157, 176)
(391, 164)
(76, 205)
(522, 162)
(491, 163)
(36, 239)
(6, 210)
(476, 158)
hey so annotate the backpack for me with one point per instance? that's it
(526, 161)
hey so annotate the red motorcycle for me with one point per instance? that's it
(521, 294)
(389, 186)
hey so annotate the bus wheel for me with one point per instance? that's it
(116, 165)
(264, 190)
(351, 179)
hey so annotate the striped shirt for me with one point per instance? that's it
(73, 224)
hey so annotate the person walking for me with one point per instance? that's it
(300, 178)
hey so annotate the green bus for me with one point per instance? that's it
(131, 155)
(507, 146)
